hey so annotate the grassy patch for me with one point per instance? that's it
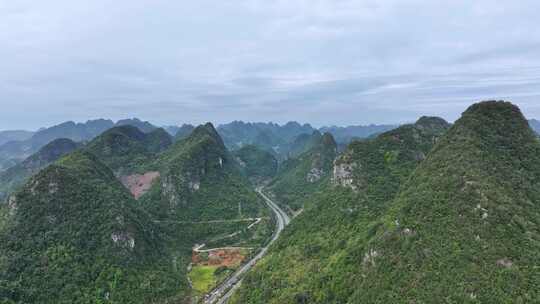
(202, 278)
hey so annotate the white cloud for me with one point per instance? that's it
(348, 61)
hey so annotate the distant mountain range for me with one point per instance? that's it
(349, 133)
(284, 141)
(265, 135)
(281, 140)
(24, 144)
(183, 131)
(535, 125)
(19, 173)
(15, 135)
(239, 133)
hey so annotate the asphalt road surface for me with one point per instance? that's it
(222, 293)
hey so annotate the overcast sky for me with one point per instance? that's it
(319, 61)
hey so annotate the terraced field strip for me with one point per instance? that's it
(214, 221)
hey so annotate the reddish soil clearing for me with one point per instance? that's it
(139, 184)
(219, 257)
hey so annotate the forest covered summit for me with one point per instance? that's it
(126, 149)
(338, 213)
(458, 221)
(95, 235)
(137, 236)
(470, 211)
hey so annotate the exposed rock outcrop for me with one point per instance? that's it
(343, 175)
(12, 204)
(139, 184)
(314, 175)
(123, 239)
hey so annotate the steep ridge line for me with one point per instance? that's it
(222, 293)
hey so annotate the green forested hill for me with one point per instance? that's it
(257, 164)
(126, 149)
(144, 126)
(301, 144)
(316, 260)
(75, 235)
(463, 227)
(183, 131)
(466, 225)
(200, 180)
(19, 174)
(301, 176)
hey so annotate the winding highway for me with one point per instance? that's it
(222, 293)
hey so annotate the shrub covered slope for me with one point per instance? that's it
(126, 149)
(462, 227)
(20, 173)
(76, 236)
(200, 181)
(255, 163)
(320, 254)
(466, 225)
(301, 176)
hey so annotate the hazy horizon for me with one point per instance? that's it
(222, 123)
(195, 124)
(321, 62)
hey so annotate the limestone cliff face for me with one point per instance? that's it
(314, 175)
(343, 170)
(123, 239)
(12, 205)
(343, 175)
(322, 156)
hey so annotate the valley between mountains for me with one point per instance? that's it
(426, 212)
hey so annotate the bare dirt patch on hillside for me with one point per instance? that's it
(139, 184)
